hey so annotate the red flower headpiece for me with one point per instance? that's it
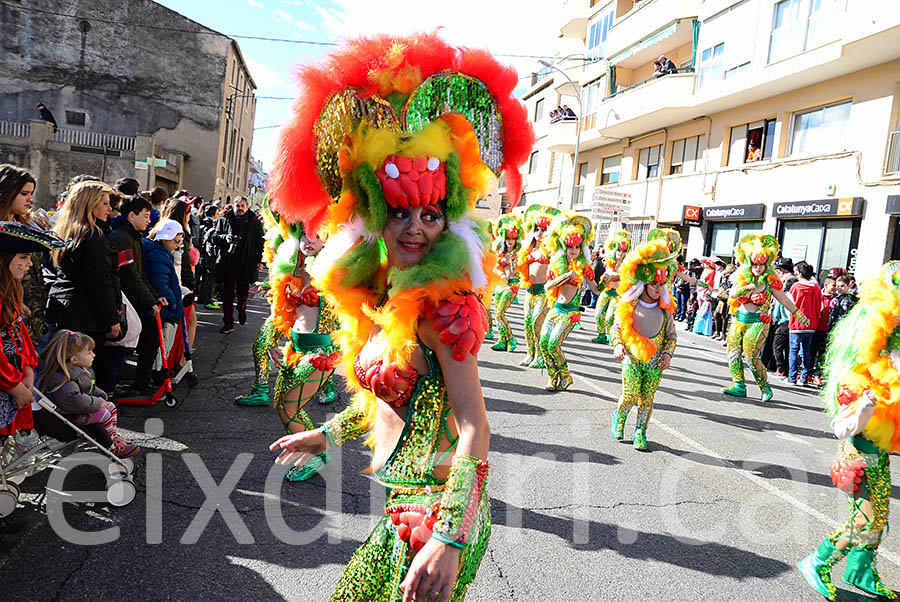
(512, 232)
(418, 182)
(661, 276)
(573, 240)
(759, 258)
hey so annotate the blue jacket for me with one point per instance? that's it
(160, 270)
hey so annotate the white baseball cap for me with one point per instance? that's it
(167, 229)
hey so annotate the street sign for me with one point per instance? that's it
(159, 162)
(610, 206)
(140, 165)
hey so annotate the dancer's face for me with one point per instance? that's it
(757, 268)
(510, 244)
(310, 245)
(572, 253)
(539, 233)
(620, 256)
(411, 233)
(652, 291)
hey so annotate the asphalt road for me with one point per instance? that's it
(730, 495)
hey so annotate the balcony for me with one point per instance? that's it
(574, 19)
(649, 16)
(90, 139)
(13, 129)
(561, 137)
(649, 105)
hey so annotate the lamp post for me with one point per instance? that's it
(577, 126)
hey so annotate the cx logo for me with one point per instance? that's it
(692, 213)
(845, 206)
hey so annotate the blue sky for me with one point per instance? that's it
(503, 26)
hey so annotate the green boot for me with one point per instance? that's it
(511, 346)
(258, 396)
(489, 335)
(499, 346)
(329, 395)
(640, 439)
(553, 379)
(308, 470)
(816, 568)
(618, 425)
(564, 379)
(736, 390)
(767, 394)
(601, 338)
(537, 362)
(860, 572)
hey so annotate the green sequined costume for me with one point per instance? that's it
(379, 565)
(746, 339)
(503, 298)
(640, 380)
(605, 313)
(535, 313)
(560, 321)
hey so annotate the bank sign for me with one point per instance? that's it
(845, 207)
(720, 213)
(691, 215)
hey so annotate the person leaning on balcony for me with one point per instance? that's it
(664, 66)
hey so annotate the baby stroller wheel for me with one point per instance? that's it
(115, 468)
(171, 400)
(9, 497)
(191, 379)
(121, 491)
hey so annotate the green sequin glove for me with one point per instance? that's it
(346, 426)
(459, 502)
(668, 346)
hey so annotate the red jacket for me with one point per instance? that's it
(826, 311)
(807, 297)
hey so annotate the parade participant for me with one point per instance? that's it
(403, 266)
(489, 335)
(862, 395)
(566, 242)
(618, 245)
(643, 333)
(703, 323)
(533, 264)
(506, 246)
(756, 285)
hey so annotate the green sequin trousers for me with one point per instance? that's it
(747, 341)
(557, 327)
(490, 309)
(503, 298)
(605, 312)
(266, 339)
(639, 383)
(535, 312)
(291, 377)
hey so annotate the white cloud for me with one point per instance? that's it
(283, 16)
(262, 75)
(255, 3)
(303, 25)
(294, 2)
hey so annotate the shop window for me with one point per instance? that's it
(819, 130)
(685, 153)
(752, 142)
(799, 25)
(725, 235)
(539, 110)
(823, 244)
(711, 65)
(610, 170)
(648, 162)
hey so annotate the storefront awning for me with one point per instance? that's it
(645, 43)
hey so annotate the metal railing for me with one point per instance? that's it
(578, 198)
(652, 78)
(93, 139)
(892, 165)
(14, 129)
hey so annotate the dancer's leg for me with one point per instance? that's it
(754, 342)
(505, 340)
(735, 342)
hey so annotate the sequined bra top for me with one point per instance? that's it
(762, 299)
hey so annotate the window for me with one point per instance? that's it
(610, 170)
(75, 117)
(752, 142)
(711, 65)
(599, 30)
(648, 162)
(726, 234)
(737, 71)
(685, 153)
(539, 110)
(532, 162)
(823, 244)
(799, 25)
(591, 97)
(819, 130)
(582, 173)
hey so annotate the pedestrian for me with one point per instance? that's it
(186, 258)
(807, 296)
(843, 301)
(206, 268)
(703, 323)
(85, 294)
(682, 291)
(821, 335)
(239, 237)
(46, 115)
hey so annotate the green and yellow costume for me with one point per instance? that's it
(505, 228)
(536, 217)
(651, 262)
(605, 313)
(862, 394)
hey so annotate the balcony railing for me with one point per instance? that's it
(892, 165)
(652, 78)
(578, 199)
(14, 129)
(93, 139)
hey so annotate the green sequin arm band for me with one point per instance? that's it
(459, 502)
(346, 426)
(668, 346)
(615, 337)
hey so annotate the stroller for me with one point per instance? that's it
(59, 438)
(164, 391)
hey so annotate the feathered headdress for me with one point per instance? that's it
(672, 237)
(864, 354)
(568, 229)
(750, 250)
(504, 227)
(535, 217)
(620, 240)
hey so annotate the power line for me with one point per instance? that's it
(268, 127)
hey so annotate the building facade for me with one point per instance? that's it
(776, 116)
(136, 90)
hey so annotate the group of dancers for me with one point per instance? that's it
(378, 265)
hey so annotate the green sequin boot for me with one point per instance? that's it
(537, 362)
(489, 335)
(554, 379)
(767, 394)
(564, 379)
(861, 572)
(500, 345)
(601, 338)
(308, 470)
(640, 439)
(736, 390)
(816, 568)
(329, 394)
(258, 396)
(618, 426)
(512, 344)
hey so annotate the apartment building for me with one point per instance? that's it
(779, 116)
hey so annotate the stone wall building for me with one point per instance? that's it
(126, 82)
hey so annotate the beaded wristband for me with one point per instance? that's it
(459, 502)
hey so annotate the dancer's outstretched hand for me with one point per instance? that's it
(619, 352)
(293, 447)
(432, 573)
(665, 361)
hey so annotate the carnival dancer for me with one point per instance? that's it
(492, 298)
(643, 333)
(750, 300)
(703, 323)
(506, 246)
(566, 242)
(403, 267)
(533, 264)
(862, 395)
(618, 245)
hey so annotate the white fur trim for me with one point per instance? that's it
(339, 244)
(287, 249)
(466, 229)
(895, 359)
(633, 293)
